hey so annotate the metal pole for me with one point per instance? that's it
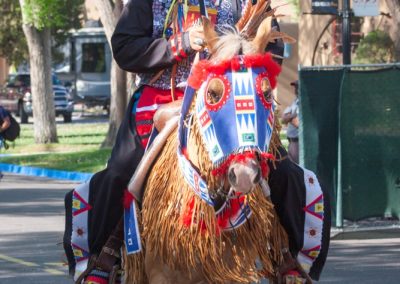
(346, 32)
(346, 50)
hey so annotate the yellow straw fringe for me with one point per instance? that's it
(228, 256)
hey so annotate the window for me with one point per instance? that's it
(23, 80)
(93, 58)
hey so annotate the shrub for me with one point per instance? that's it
(375, 47)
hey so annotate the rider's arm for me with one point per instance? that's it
(135, 49)
(6, 124)
(287, 117)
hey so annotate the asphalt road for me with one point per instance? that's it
(31, 228)
(32, 224)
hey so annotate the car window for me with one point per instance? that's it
(11, 78)
(93, 58)
(23, 80)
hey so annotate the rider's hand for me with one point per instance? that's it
(196, 37)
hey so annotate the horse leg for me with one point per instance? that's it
(159, 273)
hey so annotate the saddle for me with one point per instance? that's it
(165, 122)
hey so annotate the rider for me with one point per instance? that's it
(143, 44)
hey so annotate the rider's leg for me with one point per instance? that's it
(107, 187)
(101, 198)
(288, 193)
(68, 232)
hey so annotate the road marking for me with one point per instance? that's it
(51, 271)
(18, 261)
(54, 271)
(60, 264)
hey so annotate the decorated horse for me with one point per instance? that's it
(206, 213)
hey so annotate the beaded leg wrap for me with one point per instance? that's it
(105, 268)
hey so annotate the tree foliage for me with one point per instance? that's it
(376, 47)
(13, 45)
(58, 15)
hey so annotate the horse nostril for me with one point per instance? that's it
(257, 177)
(232, 176)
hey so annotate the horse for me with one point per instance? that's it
(206, 214)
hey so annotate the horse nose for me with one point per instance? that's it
(257, 178)
(243, 176)
(232, 176)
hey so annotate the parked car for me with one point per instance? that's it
(16, 97)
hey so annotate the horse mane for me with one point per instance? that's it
(231, 43)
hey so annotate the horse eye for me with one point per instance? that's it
(215, 91)
(266, 89)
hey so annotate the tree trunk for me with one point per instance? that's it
(109, 17)
(117, 104)
(394, 8)
(39, 44)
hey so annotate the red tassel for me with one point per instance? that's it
(187, 215)
(230, 210)
(235, 64)
(127, 199)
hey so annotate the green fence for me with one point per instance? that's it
(350, 136)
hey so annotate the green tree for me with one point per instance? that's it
(12, 41)
(375, 47)
(13, 45)
(39, 18)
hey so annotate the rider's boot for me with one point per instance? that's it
(291, 272)
(106, 267)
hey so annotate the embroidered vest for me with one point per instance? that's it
(225, 16)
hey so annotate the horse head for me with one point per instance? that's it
(234, 106)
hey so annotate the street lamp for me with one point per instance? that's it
(346, 32)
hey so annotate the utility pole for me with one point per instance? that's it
(346, 32)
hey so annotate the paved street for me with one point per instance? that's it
(32, 222)
(31, 227)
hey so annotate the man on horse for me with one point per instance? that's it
(158, 40)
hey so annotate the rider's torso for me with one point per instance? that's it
(228, 12)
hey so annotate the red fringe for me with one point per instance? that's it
(127, 199)
(201, 70)
(241, 158)
(230, 210)
(222, 220)
(188, 214)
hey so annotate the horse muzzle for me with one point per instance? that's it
(244, 176)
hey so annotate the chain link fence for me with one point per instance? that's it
(350, 136)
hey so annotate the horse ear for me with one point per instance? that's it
(262, 37)
(210, 35)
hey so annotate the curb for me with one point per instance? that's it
(48, 173)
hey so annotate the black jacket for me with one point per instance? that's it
(135, 49)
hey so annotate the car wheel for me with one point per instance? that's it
(22, 114)
(67, 117)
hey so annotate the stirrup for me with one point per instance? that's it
(293, 277)
(98, 276)
(291, 272)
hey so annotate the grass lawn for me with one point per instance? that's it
(78, 148)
